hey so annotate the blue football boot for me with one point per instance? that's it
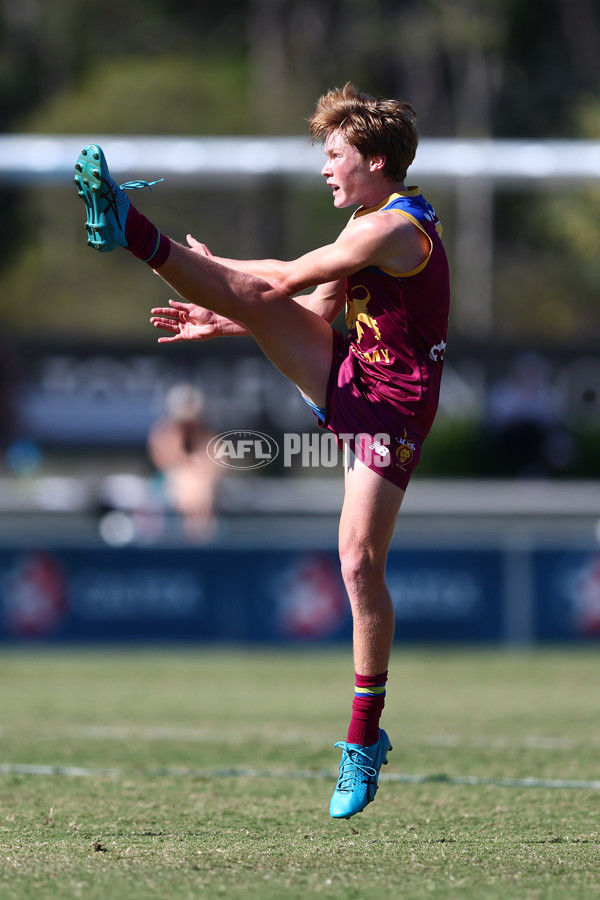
(359, 774)
(106, 202)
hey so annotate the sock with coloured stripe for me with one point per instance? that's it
(144, 239)
(367, 705)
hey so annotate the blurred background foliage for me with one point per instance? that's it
(472, 68)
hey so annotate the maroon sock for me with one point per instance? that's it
(144, 239)
(369, 698)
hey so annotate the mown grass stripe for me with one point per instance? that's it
(403, 778)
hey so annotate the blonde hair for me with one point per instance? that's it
(373, 125)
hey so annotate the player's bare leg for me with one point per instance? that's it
(369, 514)
(298, 342)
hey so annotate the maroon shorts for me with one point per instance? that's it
(380, 437)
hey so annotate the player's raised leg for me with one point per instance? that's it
(298, 342)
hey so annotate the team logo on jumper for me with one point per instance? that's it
(243, 449)
(357, 315)
(405, 451)
(437, 352)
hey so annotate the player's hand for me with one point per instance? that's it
(189, 322)
(184, 322)
(198, 247)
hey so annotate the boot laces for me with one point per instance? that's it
(137, 185)
(352, 766)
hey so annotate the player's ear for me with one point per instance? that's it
(377, 163)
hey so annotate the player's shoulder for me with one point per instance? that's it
(375, 231)
(413, 207)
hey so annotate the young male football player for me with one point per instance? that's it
(376, 388)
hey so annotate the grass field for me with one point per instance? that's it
(222, 766)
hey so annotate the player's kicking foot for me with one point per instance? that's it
(106, 202)
(359, 774)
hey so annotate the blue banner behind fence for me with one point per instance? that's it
(287, 596)
(567, 595)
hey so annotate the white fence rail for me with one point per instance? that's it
(50, 158)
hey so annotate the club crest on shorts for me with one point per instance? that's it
(405, 451)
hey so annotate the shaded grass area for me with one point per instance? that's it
(135, 835)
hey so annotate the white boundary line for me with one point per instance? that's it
(175, 772)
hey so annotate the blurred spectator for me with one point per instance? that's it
(525, 422)
(177, 447)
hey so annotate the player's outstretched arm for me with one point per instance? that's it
(189, 322)
(326, 300)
